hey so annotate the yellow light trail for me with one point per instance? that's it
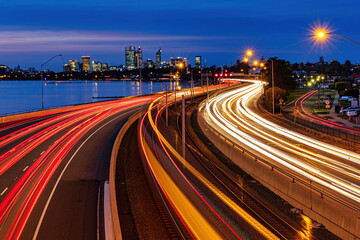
(241, 212)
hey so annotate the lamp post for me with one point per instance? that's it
(250, 53)
(322, 34)
(42, 79)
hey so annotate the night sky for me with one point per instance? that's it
(31, 32)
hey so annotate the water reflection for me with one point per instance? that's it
(22, 96)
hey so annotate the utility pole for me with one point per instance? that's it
(140, 90)
(207, 87)
(42, 79)
(273, 87)
(222, 74)
(183, 126)
(167, 114)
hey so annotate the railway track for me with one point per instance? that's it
(281, 226)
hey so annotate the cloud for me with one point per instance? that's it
(45, 40)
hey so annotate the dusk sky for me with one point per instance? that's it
(31, 32)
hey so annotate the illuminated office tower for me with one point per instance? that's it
(96, 66)
(138, 58)
(105, 67)
(66, 68)
(130, 57)
(158, 58)
(198, 61)
(73, 65)
(86, 63)
(186, 62)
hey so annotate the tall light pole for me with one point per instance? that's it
(42, 79)
(322, 35)
(140, 80)
(250, 53)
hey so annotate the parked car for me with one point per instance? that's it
(347, 98)
(344, 98)
(345, 110)
(352, 112)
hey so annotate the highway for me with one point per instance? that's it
(201, 203)
(52, 168)
(333, 170)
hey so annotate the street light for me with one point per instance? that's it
(321, 34)
(250, 53)
(42, 79)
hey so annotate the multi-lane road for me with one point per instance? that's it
(52, 168)
(235, 115)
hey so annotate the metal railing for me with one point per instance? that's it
(345, 135)
(310, 184)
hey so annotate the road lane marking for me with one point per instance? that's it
(37, 230)
(25, 168)
(42, 153)
(4, 191)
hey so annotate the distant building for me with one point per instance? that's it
(322, 60)
(66, 68)
(171, 62)
(31, 70)
(158, 58)
(198, 61)
(85, 63)
(186, 62)
(80, 67)
(73, 65)
(105, 67)
(17, 69)
(96, 66)
(4, 68)
(113, 68)
(150, 63)
(130, 57)
(138, 58)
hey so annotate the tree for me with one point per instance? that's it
(283, 74)
(279, 94)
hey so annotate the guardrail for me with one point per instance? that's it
(112, 222)
(273, 167)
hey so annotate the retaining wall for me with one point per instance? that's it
(337, 218)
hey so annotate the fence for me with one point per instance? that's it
(344, 134)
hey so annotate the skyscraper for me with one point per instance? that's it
(186, 62)
(198, 61)
(86, 63)
(130, 57)
(73, 65)
(105, 67)
(158, 58)
(66, 68)
(96, 66)
(138, 58)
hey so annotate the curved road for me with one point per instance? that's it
(331, 169)
(52, 168)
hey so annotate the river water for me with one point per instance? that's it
(25, 96)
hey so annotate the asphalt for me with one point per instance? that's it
(74, 211)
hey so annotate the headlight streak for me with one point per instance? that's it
(255, 224)
(215, 118)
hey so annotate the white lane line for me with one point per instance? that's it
(4, 191)
(64, 169)
(42, 153)
(25, 168)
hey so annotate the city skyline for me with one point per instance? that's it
(218, 33)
